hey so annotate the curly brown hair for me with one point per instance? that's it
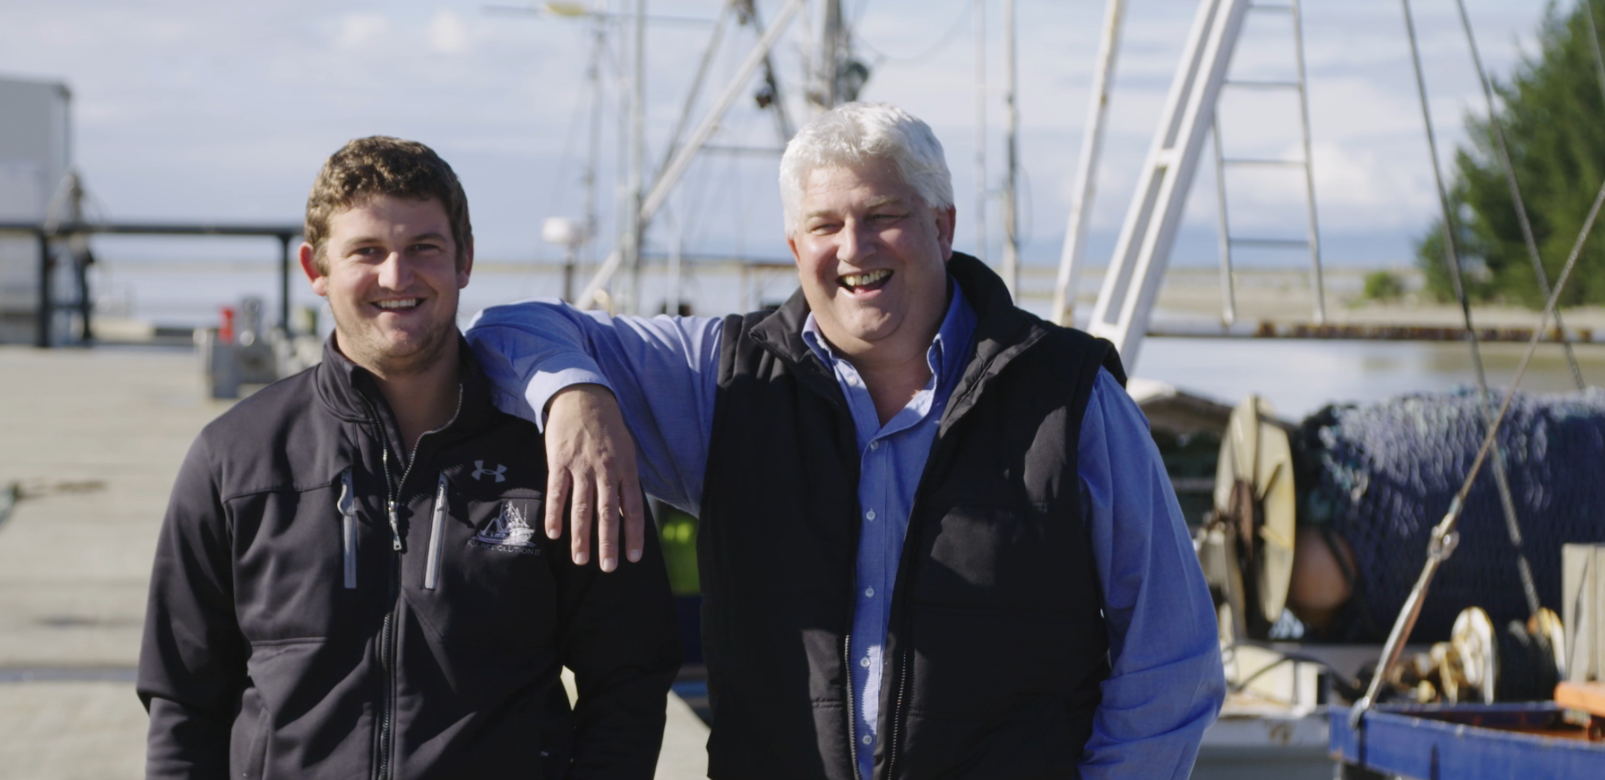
(381, 165)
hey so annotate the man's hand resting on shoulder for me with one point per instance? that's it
(590, 458)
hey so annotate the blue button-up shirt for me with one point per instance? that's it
(1165, 684)
(892, 458)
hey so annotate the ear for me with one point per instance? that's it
(320, 283)
(791, 241)
(945, 219)
(466, 266)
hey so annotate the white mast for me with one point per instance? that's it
(980, 130)
(1011, 219)
(1075, 238)
(699, 136)
(633, 230)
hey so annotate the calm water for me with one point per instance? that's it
(1297, 377)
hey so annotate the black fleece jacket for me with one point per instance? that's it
(323, 607)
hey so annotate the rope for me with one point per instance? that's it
(1452, 255)
(1515, 187)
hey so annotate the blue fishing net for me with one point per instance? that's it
(1381, 476)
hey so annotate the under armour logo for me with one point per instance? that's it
(481, 471)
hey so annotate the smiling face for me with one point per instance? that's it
(391, 271)
(872, 258)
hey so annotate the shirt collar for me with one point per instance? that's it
(947, 350)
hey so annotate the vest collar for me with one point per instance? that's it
(1001, 330)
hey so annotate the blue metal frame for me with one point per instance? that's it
(1465, 742)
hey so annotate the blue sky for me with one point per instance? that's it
(189, 110)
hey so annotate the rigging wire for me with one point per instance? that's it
(958, 26)
(677, 135)
(1593, 40)
(1452, 256)
(1515, 188)
(1443, 536)
(581, 109)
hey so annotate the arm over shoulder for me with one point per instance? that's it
(662, 370)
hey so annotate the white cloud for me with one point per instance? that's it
(1359, 188)
(360, 31)
(448, 33)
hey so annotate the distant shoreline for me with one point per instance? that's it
(185, 292)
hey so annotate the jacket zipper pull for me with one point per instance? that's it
(436, 530)
(348, 528)
(395, 529)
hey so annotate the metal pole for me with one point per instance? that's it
(1228, 290)
(1011, 217)
(633, 303)
(284, 282)
(696, 87)
(980, 130)
(86, 303)
(594, 148)
(43, 313)
(78, 248)
(783, 125)
(1317, 281)
(671, 272)
(699, 137)
(1075, 238)
(830, 55)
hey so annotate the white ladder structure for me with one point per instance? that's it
(1142, 253)
(1312, 240)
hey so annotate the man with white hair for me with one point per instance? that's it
(936, 539)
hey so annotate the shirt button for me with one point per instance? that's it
(870, 515)
(864, 662)
(868, 739)
(870, 592)
(875, 445)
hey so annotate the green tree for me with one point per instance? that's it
(1552, 111)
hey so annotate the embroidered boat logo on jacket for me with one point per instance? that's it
(507, 532)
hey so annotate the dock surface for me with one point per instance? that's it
(93, 438)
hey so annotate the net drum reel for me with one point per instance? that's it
(1335, 529)
(1248, 550)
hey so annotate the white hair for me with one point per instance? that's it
(853, 134)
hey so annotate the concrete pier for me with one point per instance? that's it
(93, 439)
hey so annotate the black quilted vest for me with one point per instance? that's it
(996, 644)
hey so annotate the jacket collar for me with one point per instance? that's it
(346, 389)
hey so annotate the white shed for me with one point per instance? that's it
(35, 156)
